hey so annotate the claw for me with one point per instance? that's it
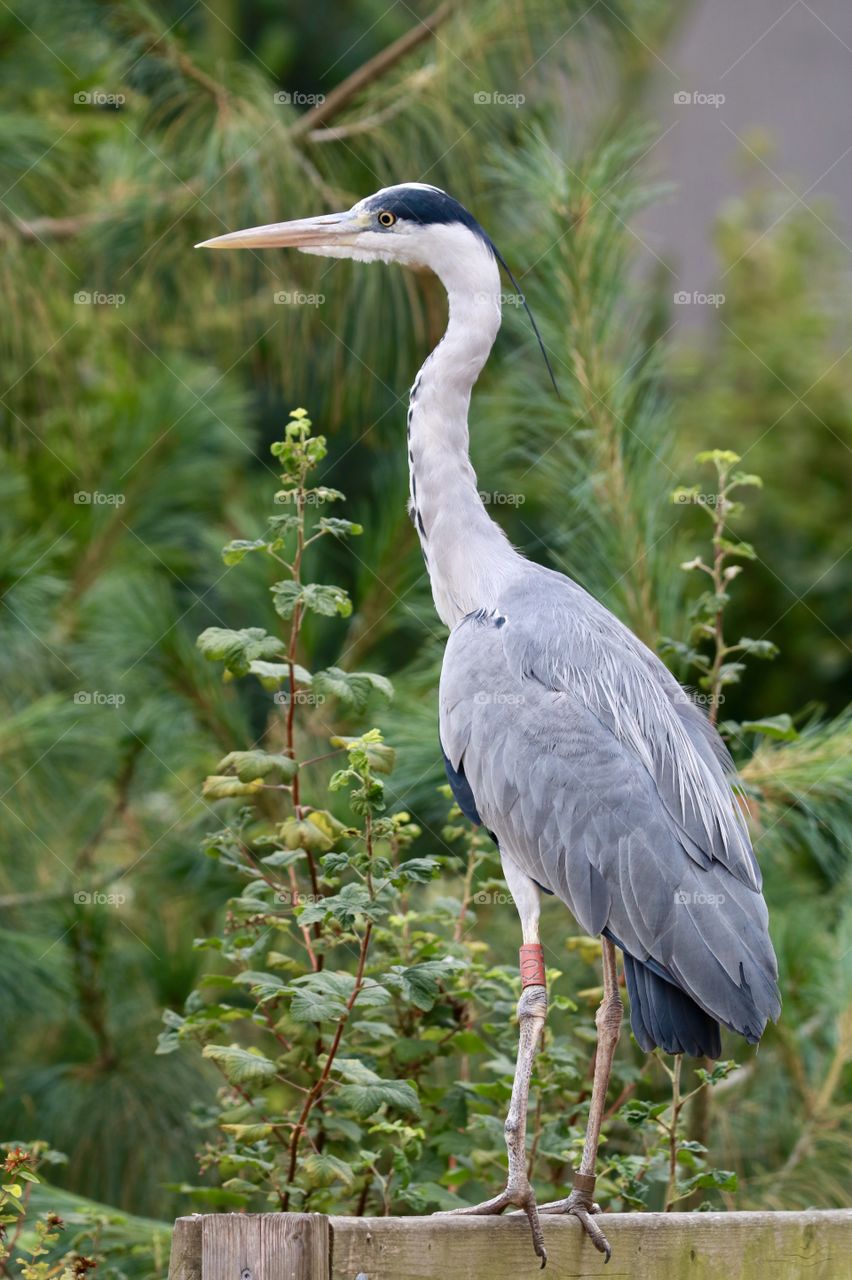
(582, 1207)
(523, 1198)
(593, 1231)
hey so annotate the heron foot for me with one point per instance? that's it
(581, 1204)
(522, 1197)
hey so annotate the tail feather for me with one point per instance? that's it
(661, 1014)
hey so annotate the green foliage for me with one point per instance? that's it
(777, 386)
(722, 667)
(790, 776)
(46, 1233)
(670, 1157)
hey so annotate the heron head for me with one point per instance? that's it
(413, 224)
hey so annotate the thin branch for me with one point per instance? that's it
(316, 1091)
(371, 70)
(677, 1103)
(38, 229)
(368, 123)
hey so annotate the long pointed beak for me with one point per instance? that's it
(305, 233)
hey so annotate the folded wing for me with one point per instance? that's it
(605, 784)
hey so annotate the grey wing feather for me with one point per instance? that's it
(564, 639)
(604, 783)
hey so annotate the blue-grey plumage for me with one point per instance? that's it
(604, 782)
(595, 773)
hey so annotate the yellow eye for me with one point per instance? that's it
(386, 218)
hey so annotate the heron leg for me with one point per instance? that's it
(532, 1012)
(608, 1021)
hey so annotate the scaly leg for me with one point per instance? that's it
(532, 1011)
(608, 1021)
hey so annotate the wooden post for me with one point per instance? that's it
(645, 1246)
(242, 1246)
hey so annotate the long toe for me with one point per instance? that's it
(566, 1206)
(493, 1206)
(592, 1230)
(537, 1233)
(523, 1198)
(583, 1209)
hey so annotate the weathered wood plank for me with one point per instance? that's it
(265, 1246)
(677, 1246)
(647, 1246)
(185, 1259)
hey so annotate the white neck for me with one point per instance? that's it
(467, 555)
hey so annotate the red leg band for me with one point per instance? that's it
(532, 965)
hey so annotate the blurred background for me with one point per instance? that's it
(672, 186)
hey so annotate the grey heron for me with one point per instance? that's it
(594, 771)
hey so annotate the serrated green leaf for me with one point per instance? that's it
(353, 901)
(780, 727)
(322, 1169)
(250, 765)
(378, 1030)
(758, 648)
(720, 457)
(322, 493)
(241, 1066)
(746, 478)
(366, 1099)
(247, 1133)
(318, 597)
(418, 870)
(273, 674)
(264, 986)
(236, 550)
(339, 528)
(238, 649)
(352, 687)
(322, 997)
(420, 982)
(305, 833)
(218, 787)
